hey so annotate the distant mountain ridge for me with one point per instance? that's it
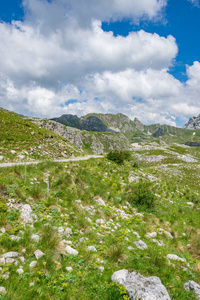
(133, 130)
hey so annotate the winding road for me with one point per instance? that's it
(23, 163)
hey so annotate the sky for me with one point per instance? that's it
(136, 57)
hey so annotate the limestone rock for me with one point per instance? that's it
(151, 234)
(71, 251)
(20, 271)
(168, 235)
(35, 237)
(10, 255)
(175, 257)
(139, 287)
(68, 231)
(33, 264)
(91, 248)
(2, 261)
(38, 254)
(100, 201)
(141, 245)
(2, 290)
(10, 260)
(192, 285)
(100, 221)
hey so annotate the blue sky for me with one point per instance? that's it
(182, 20)
(140, 58)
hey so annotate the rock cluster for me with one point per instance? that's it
(139, 287)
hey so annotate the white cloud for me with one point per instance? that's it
(68, 55)
(55, 13)
(60, 52)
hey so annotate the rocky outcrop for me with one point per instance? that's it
(138, 124)
(193, 144)
(193, 286)
(159, 132)
(193, 123)
(94, 142)
(139, 287)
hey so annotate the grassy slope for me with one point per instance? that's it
(19, 134)
(177, 184)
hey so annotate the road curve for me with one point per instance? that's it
(23, 163)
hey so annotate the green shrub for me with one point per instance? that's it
(3, 207)
(142, 193)
(135, 165)
(119, 156)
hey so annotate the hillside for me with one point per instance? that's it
(65, 232)
(20, 139)
(87, 141)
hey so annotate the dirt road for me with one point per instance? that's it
(22, 163)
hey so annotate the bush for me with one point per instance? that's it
(119, 156)
(3, 207)
(142, 193)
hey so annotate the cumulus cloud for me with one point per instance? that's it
(60, 53)
(52, 14)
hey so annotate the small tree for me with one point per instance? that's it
(142, 194)
(119, 156)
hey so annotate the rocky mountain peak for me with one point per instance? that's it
(193, 123)
(138, 124)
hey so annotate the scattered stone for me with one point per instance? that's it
(26, 211)
(141, 245)
(159, 243)
(130, 248)
(31, 284)
(33, 264)
(101, 268)
(151, 234)
(10, 255)
(22, 259)
(100, 221)
(190, 203)
(1, 157)
(61, 230)
(91, 248)
(10, 260)
(88, 219)
(20, 271)
(139, 287)
(3, 230)
(68, 231)
(100, 201)
(69, 269)
(71, 251)
(137, 234)
(38, 254)
(168, 235)
(5, 276)
(175, 257)
(2, 290)
(193, 286)
(35, 237)
(2, 261)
